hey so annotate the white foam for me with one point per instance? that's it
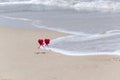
(100, 5)
(84, 37)
(112, 31)
(74, 53)
(17, 18)
(55, 29)
(14, 3)
(112, 48)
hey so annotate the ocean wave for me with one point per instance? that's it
(87, 45)
(99, 5)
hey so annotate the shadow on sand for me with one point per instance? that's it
(41, 52)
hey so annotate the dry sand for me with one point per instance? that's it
(19, 61)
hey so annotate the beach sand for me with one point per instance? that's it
(19, 59)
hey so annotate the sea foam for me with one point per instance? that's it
(99, 5)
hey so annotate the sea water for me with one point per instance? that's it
(93, 25)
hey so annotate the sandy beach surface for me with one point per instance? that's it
(19, 59)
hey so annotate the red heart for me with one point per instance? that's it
(47, 41)
(40, 41)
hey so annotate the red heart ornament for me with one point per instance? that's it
(47, 41)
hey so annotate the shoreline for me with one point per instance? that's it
(98, 43)
(19, 60)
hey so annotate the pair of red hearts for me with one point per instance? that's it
(42, 41)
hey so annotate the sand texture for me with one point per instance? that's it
(21, 60)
